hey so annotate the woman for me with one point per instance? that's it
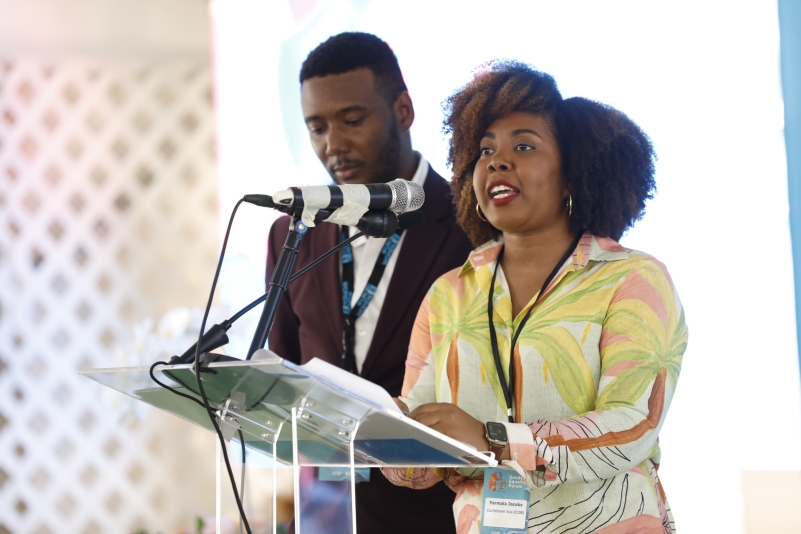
(580, 360)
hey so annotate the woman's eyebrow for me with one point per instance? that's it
(525, 130)
(490, 135)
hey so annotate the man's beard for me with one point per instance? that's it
(388, 156)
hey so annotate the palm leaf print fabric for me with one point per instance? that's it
(596, 367)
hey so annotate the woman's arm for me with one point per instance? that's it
(643, 340)
(418, 381)
(418, 389)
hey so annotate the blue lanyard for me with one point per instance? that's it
(351, 314)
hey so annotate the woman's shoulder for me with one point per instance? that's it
(451, 279)
(481, 256)
(608, 250)
(646, 281)
(640, 272)
(644, 277)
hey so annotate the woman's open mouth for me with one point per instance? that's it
(501, 192)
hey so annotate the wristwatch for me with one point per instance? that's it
(497, 438)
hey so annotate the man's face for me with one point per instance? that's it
(353, 130)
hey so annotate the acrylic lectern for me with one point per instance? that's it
(309, 415)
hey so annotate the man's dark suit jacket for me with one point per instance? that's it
(309, 324)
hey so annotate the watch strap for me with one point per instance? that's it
(497, 448)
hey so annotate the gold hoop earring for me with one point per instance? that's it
(480, 215)
(569, 205)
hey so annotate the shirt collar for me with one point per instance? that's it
(422, 170)
(589, 248)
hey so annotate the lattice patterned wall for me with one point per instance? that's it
(109, 215)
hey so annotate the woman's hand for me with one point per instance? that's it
(452, 421)
(401, 405)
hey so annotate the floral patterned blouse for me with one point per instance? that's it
(596, 366)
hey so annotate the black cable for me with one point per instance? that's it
(239, 430)
(165, 386)
(205, 404)
(197, 371)
(297, 275)
(242, 478)
(325, 256)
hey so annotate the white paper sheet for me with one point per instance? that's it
(350, 382)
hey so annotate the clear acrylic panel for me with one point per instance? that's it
(257, 398)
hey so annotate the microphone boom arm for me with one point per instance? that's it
(278, 283)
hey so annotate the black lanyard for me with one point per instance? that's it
(508, 388)
(349, 337)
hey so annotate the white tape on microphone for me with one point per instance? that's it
(355, 202)
(314, 198)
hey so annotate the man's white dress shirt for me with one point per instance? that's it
(365, 253)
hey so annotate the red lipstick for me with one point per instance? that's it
(501, 192)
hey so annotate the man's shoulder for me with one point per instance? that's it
(435, 181)
(280, 227)
(439, 197)
(281, 224)
(322, 234)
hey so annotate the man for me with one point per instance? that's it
(358, 112)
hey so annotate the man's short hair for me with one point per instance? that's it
(349, 51)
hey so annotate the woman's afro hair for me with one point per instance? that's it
(607, 161)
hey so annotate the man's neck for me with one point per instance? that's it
(408, 161)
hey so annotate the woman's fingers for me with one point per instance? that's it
(401, 405)
(443, 417)
(433, 407)
(428, 419)
(452, 421)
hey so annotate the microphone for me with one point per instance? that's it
(375, 223)
(398, 196)
(413, 219)
(386, 223)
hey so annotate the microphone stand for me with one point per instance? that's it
(279, 282)
(371, 224)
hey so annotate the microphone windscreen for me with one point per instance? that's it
(408, 196)
(411, 219)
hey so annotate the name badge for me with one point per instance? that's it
(505, 509)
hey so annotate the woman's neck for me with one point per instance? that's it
(537, 249)
(529, 258)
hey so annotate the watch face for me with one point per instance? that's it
(497, 432)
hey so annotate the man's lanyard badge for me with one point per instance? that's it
(351, 314)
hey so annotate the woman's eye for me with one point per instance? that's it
(484, 152)
(521, 147)
(354, 122)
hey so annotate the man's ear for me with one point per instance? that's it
(404, 111)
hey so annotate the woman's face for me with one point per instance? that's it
(518, 180)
